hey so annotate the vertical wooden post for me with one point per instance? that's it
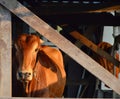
(5, 52)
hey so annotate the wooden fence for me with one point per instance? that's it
(43, 28)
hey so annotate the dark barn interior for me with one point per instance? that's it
(87, 17)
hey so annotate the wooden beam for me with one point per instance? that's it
(106, 9)
(70, 49)
(5, 52)
(94, 47)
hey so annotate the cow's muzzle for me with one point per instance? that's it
(24, 76)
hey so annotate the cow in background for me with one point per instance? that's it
(103, 61)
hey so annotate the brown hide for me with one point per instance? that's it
(41, 66)
(103, 61)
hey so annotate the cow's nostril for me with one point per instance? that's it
(20, 74)
(27, 74)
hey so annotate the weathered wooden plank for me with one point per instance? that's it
(5, 52)
(94, 47)
(65, 45)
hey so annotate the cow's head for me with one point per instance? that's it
(27, 47)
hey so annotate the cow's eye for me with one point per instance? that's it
(36, 49)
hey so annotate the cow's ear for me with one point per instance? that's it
(41, 41)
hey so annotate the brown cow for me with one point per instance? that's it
(103, 61)
(39, 69)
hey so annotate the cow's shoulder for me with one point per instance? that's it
(53, 53)
(55, 56)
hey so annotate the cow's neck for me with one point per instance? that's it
(38, 82)
(26, 87)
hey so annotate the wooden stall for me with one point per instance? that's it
(47, 31)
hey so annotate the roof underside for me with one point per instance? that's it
(62, 11)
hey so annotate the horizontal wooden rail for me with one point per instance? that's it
(65, 45)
